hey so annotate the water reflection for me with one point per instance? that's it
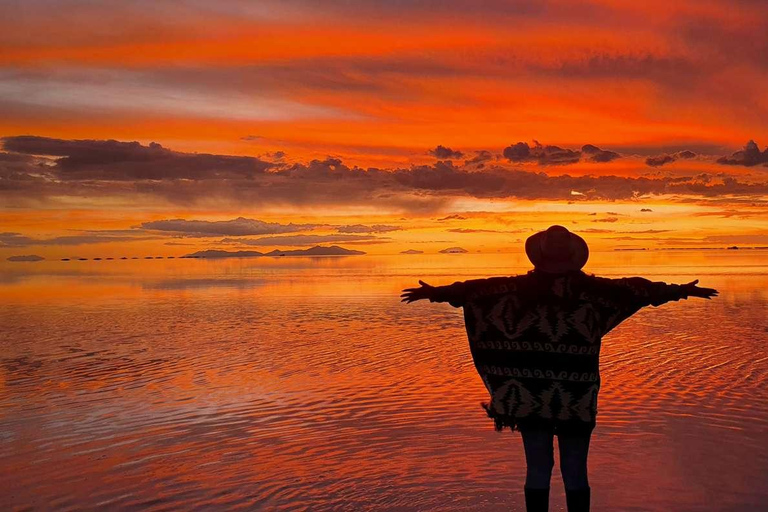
(293, 383)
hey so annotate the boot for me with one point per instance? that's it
(577, 500)
(536, 500)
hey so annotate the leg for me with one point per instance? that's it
(574, 449)
(539, 457)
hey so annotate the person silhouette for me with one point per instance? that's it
(535, 340)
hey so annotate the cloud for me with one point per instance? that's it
(18, 240)
(759, 238)
(452, 217)
(555, 155)
(645, 210)
(613, 231)
(129, 172)
(748, 157)
(125, 161)
(543, 155)
(470, 230)
(595, 154)
(276, 155)
(240, 226)
(360, 228)
(479, 159)
(660, 160)
(301, 240)
(607, 219)
(25, 257)
(444, 153)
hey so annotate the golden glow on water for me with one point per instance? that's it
(304, 382)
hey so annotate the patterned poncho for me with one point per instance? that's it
(535, 340)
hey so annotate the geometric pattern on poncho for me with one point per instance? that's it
(535, 340)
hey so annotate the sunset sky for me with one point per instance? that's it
(164, 127)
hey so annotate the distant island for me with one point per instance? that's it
(333, 250)
(454, 250)
(411, 251)
(26, 257)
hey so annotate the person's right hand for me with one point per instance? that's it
(412, 294)
(694, 291)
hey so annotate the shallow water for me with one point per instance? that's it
(304, 384)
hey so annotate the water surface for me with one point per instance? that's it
(304, 384)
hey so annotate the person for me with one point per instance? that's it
(535, 340)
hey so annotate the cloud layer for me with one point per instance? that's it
(109, 169)
(749, 156)
(235, 227)
(478, 75)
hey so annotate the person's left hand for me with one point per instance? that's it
(694, 291)
(413, 294)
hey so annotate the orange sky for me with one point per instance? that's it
(316, 94)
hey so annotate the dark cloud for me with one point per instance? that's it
(302, 240)
(658, 161)
(235, 227)
(18, 240)
(469, 230)
(444, 153)
(555, 155)
(543, 155)
(748, 157)
(645, 210)
(607, 219)
(452, 217)
(25, 257)
(122, 172)
(595, 154)
(276, 155)
(121, 161)
(360, 228)
(478, 161)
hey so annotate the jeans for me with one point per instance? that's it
(539, 456)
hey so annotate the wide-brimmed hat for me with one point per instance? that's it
(557, 250)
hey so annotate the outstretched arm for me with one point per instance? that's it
(454, 294)
(630, 294)
(424, 291)
(694, 291)
(458, 293)
(648, 293)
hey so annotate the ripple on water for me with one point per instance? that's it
(200, 395)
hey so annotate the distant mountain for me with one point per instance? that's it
(411, 251)
(317, 250)
(26, 257)
(224, 254)
(333, 250)
(454, 250)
